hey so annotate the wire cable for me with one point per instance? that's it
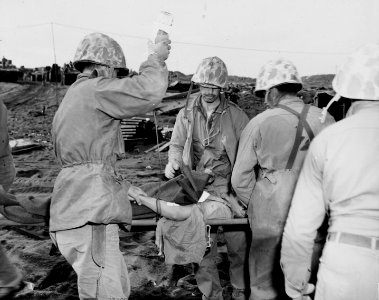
(33, 25)
(210, 45)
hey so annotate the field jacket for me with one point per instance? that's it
(209, 144)
(339, 177)
(261, 176)
(87, 138)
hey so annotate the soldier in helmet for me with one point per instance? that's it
(270, 155)
(340, 178)
(10, 276)
(89, 198)
(205, 138)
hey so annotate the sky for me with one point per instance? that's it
(317, 35)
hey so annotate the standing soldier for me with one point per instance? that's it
(10, 277)
(205, 138)
(270, 155)
(89, 198)
(340, 178)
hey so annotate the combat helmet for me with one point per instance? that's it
(99, 49)
(211, 71)
(358, 77)
(277, 72)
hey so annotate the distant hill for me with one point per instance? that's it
(241, 79)
(313, 81)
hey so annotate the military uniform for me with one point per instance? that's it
(89, 198)
(209, 144)
(270, 155)
(10, 277)
(340, 178)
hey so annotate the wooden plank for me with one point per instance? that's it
(134, 139)
(155, 147)
(163, 147)
(141, 118)
(128, 130)
(130, 122)
(128, 126)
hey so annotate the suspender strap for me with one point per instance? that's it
(308, 128)
(302, 124)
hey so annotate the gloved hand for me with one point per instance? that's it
(135, 192)
(171, 169)
(161, 48)
(309, 289)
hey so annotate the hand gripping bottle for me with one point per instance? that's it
(162, 26)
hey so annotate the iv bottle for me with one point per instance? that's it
(162, 26)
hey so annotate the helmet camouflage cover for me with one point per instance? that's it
(99, 49)
(358, 77)
(212, 71)
(275, 73)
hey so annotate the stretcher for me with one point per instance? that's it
(144, 219)
(219, 222)
(237, 224)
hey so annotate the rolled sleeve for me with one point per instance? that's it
(131, 96)
(306, 215)
(243, 176)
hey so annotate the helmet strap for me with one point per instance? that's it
(93, 74)
(325, 109)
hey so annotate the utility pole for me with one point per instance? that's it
(56, 66)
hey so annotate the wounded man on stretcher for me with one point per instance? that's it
(182, 233)
(182, 202)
